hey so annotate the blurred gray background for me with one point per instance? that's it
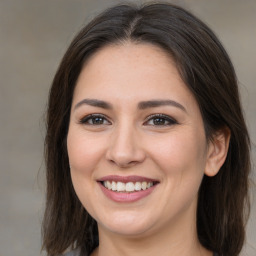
(34, 35)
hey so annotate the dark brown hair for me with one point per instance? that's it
(209, 74)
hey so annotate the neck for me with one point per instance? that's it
(177, 239)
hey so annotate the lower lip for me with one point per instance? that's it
(127, 197)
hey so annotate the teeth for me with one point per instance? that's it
(127, 187)
(113, 186)
(150, 184)
(138, 186)
(120, 186)
(144, 185)
(109, 185)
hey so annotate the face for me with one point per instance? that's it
(136, 141)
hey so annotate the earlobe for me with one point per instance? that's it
(217, 151)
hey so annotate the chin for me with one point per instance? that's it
(126, 224)
(130, 230)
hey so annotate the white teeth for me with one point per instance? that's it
(120, 186)
(144, 185)
(109, 185)
(113, 186)
(138, 186)
(127, 187)
(150, 184)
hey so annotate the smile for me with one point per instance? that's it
(127, 187)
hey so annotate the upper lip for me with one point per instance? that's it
(126, 179)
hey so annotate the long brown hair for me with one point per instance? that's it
(209, 74)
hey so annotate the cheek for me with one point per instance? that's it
(84, 155)
(84, 151)
(180, 154)
(181, 158)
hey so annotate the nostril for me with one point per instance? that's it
(122, 163)
(125, 152)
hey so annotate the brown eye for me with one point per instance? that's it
(95, 119)
(160, 120)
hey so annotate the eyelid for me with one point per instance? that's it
(171, 120)
(84, 119)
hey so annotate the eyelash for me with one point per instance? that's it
(171, 121)
(165, 118)
(85, 120)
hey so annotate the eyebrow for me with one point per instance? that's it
(141, 105)
(159, 103)
(94, 103)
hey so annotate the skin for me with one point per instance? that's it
(127, 142)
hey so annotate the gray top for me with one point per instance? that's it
(76, 253)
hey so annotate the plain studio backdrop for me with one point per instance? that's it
(34, 35)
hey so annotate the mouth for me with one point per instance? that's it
(128, 187)
(127, 184)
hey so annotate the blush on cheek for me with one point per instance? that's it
(80, 154)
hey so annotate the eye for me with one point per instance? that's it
(160, 120)
(94, 119)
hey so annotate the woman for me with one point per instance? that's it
(147, 150)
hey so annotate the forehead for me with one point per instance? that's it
(134, 50)
(140, 71)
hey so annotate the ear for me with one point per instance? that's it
(217, 151)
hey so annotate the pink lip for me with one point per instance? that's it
(126, 197)
(126, 179)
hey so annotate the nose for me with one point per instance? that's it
(125, 149)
